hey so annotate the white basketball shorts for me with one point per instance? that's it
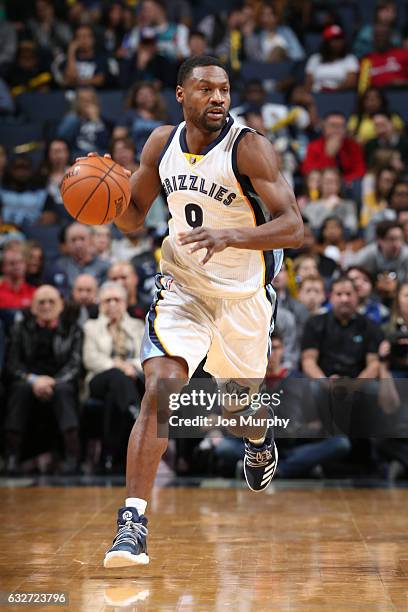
(233, 333)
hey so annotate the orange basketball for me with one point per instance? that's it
(95, 190)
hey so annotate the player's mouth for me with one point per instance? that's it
(216, 114)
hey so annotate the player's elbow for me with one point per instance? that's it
(296, 235)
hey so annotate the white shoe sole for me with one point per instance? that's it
(124, 559)
(272, 474)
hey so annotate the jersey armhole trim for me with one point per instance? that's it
(166, 146)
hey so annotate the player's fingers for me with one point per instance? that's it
(108, 155)
(93, 154)
(207, 257)
(200, 245)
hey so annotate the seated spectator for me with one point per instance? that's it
(123, 272)
(322, 356)
(376, 190)
(398, 203)
(288, 127)
(396, 333)
(305, 265)
(326, 266)
(85, 298)
(23, 198)
(83, 66)
(49, 33)
(285, 299)
(85, 129)
(387, 65)
(197, 43)
(35, 261)
(386, 14)
(387, 138)
(113, 29)
(138, 248)
(361, 125)
(44, 365)
(102, 241)
(274, 42)
(53, 168)
(285, 326)
(145, 112)
(335, 150)
(172, 38)
(30, 72)
(228, 35)
(148, 64)
(79, 259)
(111, 358)
(123, 152)
(311, 294)
(333, 243)
(311, 189)
(15, 292)
(386, 259)
(8, 45)
(367, 304)
(334, 68)
(332, 204)
(402, 218)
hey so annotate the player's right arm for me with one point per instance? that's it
(145, 182)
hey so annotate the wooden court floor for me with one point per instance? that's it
(212, 549)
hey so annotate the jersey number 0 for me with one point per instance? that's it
(194, 215)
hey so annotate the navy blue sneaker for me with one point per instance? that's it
(129, 546)
(260, 463)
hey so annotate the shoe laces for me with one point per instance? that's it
(130, 532)
(258, 458)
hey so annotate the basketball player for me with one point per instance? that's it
(214, 296)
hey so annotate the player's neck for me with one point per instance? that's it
(197, 139)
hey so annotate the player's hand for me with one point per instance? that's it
(94, 154)
(201, 238)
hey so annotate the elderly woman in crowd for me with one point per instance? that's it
(111, 358)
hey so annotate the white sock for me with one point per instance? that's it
(138, 503)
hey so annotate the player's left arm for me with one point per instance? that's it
(257, 160)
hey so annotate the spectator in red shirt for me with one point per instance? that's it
(387, 65)
(15, 292)
(335, 150)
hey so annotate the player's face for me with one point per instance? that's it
(205, 97)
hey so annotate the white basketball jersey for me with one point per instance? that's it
(207, 190)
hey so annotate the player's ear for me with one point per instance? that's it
(179, 94)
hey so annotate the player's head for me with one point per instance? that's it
(203, 89)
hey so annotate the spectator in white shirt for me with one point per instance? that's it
(333, 68)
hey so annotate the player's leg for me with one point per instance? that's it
(238, 359)
(145, 450)
(176, 340)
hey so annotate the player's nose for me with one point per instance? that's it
(217, 97)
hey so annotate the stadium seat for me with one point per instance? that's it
(41, 107)
(112, 105)
(47, 236)
(173, 108)
(343, 101)
(398, 102)
(264, 71)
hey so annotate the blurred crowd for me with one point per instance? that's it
(73, 298)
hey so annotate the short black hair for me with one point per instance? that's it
(189, 64)
(339, 280)
(383, 227)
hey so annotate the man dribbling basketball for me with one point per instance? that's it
(214, 296)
